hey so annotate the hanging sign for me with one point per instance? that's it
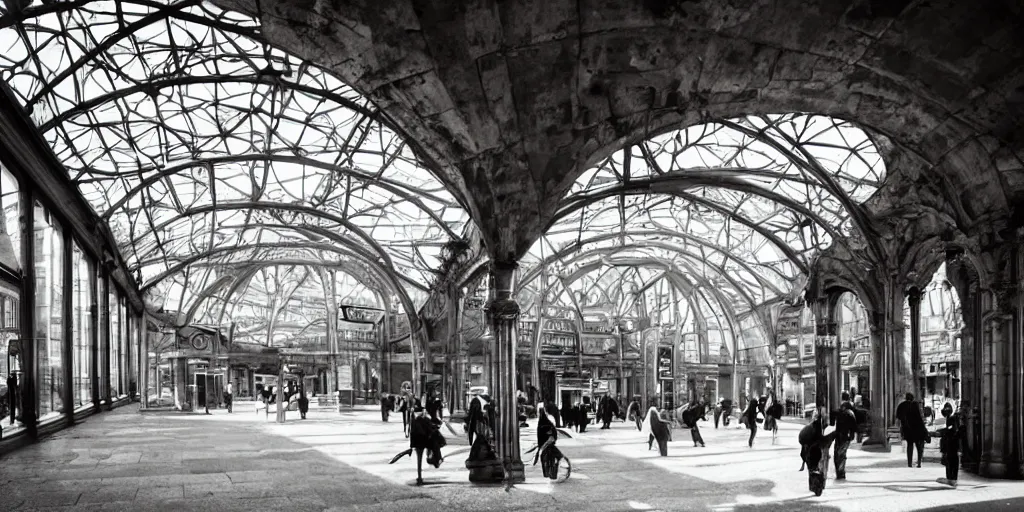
(361, 315)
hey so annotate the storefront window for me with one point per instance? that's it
(81, 301)
(10, 360)
(115, 343)
(103, 330)
(133, 353)
(48, 335)
(10, 313)
(125, 365)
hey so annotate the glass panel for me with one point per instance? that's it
(103, 362)
(123, 339)
(48, 334)
(133, 335)
(10, 314)
(81, 301)
(10, 361)
(115, 344)
(10, 228)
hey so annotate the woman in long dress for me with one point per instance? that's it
(656, 430)
(547, 435)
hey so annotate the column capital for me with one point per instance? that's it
(914, 295)
(504, 310)
(1008, 297)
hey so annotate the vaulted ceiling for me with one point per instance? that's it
(512, 101)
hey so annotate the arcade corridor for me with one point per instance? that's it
(473, 208)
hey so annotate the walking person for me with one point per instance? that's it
(846, 430)
(694, 413)
(726, 411)
(912, 428)
(656, 430)
(772, 413)
(385, 407)
(229, 392)
(750, 416)
(949, 445)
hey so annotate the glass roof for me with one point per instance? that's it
(730, 213)
(211, 154)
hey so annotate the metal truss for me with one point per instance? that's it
(210, 153)
(730, 214)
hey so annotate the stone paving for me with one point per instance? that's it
(123, 460)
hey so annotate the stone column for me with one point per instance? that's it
(824, 355)
(877, 411)
(1001, 372)
(965, 280)
(914, 300)
(505, 318)
(456, 355)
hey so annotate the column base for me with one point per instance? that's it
(485, 472)
(518, 471)
(1002, 470)
(876, 445)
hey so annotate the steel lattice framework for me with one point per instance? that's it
(215, 157)
(728, 214)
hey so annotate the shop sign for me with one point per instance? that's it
(362, 315)
(476, 369)
(401, 358)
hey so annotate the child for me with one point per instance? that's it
(949, 445)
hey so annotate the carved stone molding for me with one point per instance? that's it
(504, 310)
(1007, 295)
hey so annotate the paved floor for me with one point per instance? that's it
(123, 460)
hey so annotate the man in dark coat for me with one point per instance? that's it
(750, 417)
(846, 429)
(385, 407)
(726, 406)
(609, 410)
(424, 435)
(814, 445)
(912, 428)
(568, 415)
(582, 417)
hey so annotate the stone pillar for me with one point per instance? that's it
(454, 359)
(877, 411)
(505, 319)
(965, 280)
(1001, 372)
(914, 300)
(824, 355)
(281, 409)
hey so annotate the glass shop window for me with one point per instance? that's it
(11, 354)
(48, 332)
(81, 303)
(115, 343)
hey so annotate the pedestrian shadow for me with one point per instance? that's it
(801, 503)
